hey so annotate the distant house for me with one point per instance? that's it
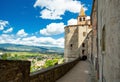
(1, 53)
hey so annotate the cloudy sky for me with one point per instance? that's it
(38, 22)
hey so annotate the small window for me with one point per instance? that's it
(84, 33)
(83, 44)
(83, 52)
(71, 45)
(83, 19)
(80, 19)
(89, 27)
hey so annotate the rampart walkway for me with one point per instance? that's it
(82, 72)
(73, 71)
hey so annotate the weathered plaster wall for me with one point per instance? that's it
(109, 19)
(71, 42)
(75, 35)
(83, 39)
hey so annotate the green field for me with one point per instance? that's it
(38, 60)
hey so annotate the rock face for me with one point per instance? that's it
(14, 71)
(108, 39)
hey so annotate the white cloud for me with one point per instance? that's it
(3, 24)
(8, 30)
(53, 29)
(22, 33)
(72, 22)
(43, 41)
(54, 9)
(5, 38)
(88, 17)
(32, 41)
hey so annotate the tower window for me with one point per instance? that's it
(71, 45)
(83, 19)
(80, 19)
(83, 44)
(89, 26)
(83, 52)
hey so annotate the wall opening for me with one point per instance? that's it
(83, 44)
(103, 39)
(84, 57)
(83, 19)
(103, 49)
(83, 52)
(71, 45)
(80, 19)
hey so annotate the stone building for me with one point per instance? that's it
(106, 30)
(76, 37)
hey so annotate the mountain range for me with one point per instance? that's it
(26, 48)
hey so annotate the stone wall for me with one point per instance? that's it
(94, 54)
(108, 27)
(71, 42)
(109, 39)
(83, 39)
(89, 45)
(75, 35)
(14, 71)
(53, 73)
(19, 71)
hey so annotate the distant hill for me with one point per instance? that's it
(19, 48)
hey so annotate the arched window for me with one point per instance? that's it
(84, 19)
(80, 19)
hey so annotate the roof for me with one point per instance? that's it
(82, 12)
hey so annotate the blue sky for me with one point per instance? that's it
(38, 22)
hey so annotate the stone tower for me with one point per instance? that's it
(75, 35)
